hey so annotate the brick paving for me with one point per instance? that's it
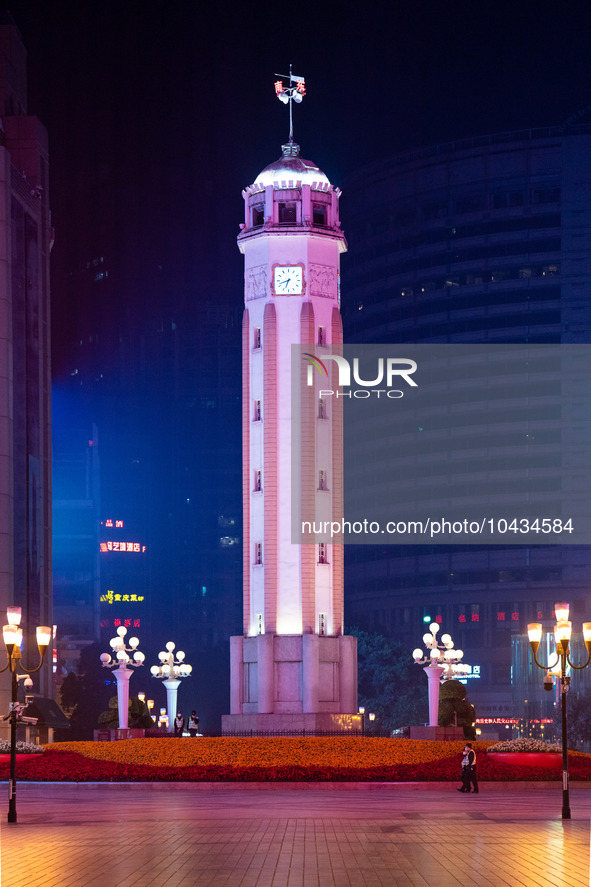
(223, 836)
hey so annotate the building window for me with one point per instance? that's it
(258, 480)
(322, 484)
(256, 337)
(258, 216)
(319, 214)
(322, 553)
(257, 411)
(322, 623)
(287, 214)
(258, 553)
(259, 623)
(321, 335)
(322, 411)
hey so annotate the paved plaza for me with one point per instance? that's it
(337, 836)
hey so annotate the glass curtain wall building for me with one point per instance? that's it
(487, 240)
(26, 239)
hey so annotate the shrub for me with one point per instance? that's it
(524, 745)
(454, 708)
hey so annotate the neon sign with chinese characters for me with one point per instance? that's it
(112, 598)
(473, 673)
(128, 623)
(122, 546)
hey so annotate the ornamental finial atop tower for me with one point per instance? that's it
(288, 95)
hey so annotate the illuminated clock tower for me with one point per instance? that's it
(293, 668)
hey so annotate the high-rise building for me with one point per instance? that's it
(76, 517)
(294, 668)
(487, 240)
(25, 463)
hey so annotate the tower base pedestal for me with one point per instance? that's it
(311, 723)
(293, 684)
(440, 734)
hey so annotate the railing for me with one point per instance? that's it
(248, 734)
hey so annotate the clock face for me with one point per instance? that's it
(288, 280)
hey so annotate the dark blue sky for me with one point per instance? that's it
(167, 108)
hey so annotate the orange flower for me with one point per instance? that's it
(337, 751)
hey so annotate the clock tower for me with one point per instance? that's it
(293, 669)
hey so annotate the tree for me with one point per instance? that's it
(85, 695)
(138, 715)
(456, 709)
(390, 684)
(579, 717)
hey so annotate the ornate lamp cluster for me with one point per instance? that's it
(442, 662)
(122, 664)
(13, 639)
(562, 637)
(121, 652)
(171, 667)
(444, 656)
(170, 671)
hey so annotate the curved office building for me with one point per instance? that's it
(487, 240)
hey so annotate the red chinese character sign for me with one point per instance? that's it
(295, 92)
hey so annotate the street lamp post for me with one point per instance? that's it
(562, 635)
(442, 661)
(13, 638)
(170, 671)
(123, 672)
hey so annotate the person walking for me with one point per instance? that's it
(193, 724)
(469, 770)
(179, 724)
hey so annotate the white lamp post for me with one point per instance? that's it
(441, 662)
(122, 672)
(170, 671)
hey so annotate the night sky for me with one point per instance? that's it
(163, 111)
(158, 114)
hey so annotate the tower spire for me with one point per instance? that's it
(288, 95)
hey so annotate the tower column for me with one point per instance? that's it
(292, 670)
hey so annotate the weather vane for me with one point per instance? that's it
(291, 93)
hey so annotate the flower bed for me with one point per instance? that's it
(341, 751)
(280, 759)
(547, 761)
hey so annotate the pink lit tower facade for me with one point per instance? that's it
(293, 669)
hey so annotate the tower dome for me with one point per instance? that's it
(291, 166)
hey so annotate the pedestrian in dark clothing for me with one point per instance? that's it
(179, 724)
(469, 770)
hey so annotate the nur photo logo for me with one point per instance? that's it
(390, 370)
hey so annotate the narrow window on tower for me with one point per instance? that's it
(287, 214)
(322, 411)
(322, 623)
(321, 335)
(258, 553)
(322, 485)
(319, 214)
(258, 216)
(257, 411)
(258, 481)
(256, 338)
(322, 553)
